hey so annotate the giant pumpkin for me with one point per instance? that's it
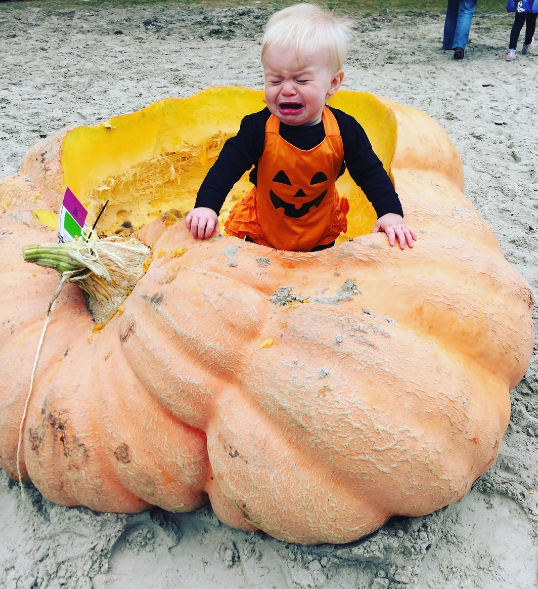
(310, 395)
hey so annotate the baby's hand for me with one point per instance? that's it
(393, 225)
(202, 222)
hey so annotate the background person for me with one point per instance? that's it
(459, 15)
(526, 11)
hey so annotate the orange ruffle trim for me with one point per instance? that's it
(243, 221)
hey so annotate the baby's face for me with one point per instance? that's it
(297, 84)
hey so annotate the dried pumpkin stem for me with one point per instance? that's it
(67, 257)
(106, 269)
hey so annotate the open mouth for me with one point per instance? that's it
(290, 107)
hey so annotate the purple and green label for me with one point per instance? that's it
(73, 206)
(72, 218)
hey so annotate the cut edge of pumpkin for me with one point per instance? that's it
(151, 162)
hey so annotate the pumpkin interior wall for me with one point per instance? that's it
(153, 161)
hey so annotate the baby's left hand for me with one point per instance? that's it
(394, 226)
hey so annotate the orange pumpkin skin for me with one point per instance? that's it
(382, 387)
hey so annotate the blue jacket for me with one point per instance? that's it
(522, 6)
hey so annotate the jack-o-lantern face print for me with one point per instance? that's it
(287, 191)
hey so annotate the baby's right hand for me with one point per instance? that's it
(202, 222)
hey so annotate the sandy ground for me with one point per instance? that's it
(63, 67)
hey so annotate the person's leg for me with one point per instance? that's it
(530, 27)
(465, 16)
(516, 29)
(451, 20)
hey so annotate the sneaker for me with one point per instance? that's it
(510, 54)
(459, 53)
(527, 48)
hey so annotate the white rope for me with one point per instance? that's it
(65, 278)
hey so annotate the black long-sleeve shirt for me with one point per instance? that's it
(244, 150)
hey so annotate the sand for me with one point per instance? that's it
(64, 67)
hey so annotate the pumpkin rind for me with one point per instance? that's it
(384, 390)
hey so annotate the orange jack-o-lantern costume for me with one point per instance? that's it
(295, 205)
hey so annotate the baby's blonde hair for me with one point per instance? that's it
(308, 25)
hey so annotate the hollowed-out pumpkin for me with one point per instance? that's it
(312, 395)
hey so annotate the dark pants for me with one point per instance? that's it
(459, 14)
(318, 248)
(521, 17)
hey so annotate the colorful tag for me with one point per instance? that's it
(71, 219)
